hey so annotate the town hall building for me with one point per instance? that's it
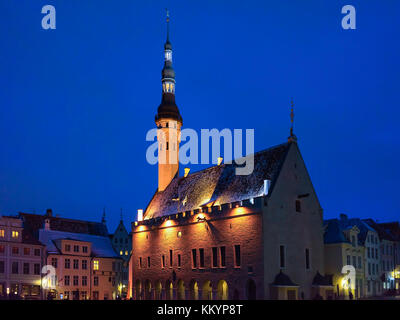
(215, 235)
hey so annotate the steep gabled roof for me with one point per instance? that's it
(335, 227)
(218, 185)
(382, 232)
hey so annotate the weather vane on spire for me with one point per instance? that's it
(292, 137)
(291, 117)
(166, 9)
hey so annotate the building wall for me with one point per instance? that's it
(96, 281)
(336, 258)
(296, 231)
(26, 282)
(372, 265)
(388, 263)
(122, 244)
(237, 226)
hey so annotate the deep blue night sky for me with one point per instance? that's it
(76, 102)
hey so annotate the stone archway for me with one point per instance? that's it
(138, 290)
(181, 295)
(194, 290)
(158, 290)
(222, 290)
(207, 291)
(169, 290)
(148, 290)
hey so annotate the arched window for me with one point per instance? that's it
(222, 290)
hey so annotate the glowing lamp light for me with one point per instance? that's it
(168, 223)
(140, 214)
(201, 217)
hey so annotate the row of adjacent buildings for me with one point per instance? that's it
(372, 248)
(216, 234)
(49, 257)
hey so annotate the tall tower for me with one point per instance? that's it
(168, 121)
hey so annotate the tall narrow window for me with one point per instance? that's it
(298, 206)
(307, 259)
(140, 263)
(201, 253)
(282, 261)
(215, 257)
(223, 256)
(194, 258)
(163, 261)
(170, 258)
(167, 145)
(179, 261)
(237, 256)
(148, 262)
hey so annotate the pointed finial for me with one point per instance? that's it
(292, 137)
(167, 12)
(103, 218)
(121, 214)
(291, 117)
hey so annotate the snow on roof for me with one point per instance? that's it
(218, 184)
(101, 246)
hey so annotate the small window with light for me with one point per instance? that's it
(15, 234)
(2, 233)
(96, 265)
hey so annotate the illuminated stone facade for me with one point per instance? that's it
(225, 240)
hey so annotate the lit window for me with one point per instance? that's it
(126, 253)
(15, 234)
(96, 265)
(2, 233)
(121, 253)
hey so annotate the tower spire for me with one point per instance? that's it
(168, 121)
(292, 137)
(167, 12)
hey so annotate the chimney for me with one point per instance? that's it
(267, 184)
(47, 224)
(343, 216)
(187, 170)
(140, 215)
(49, 213)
